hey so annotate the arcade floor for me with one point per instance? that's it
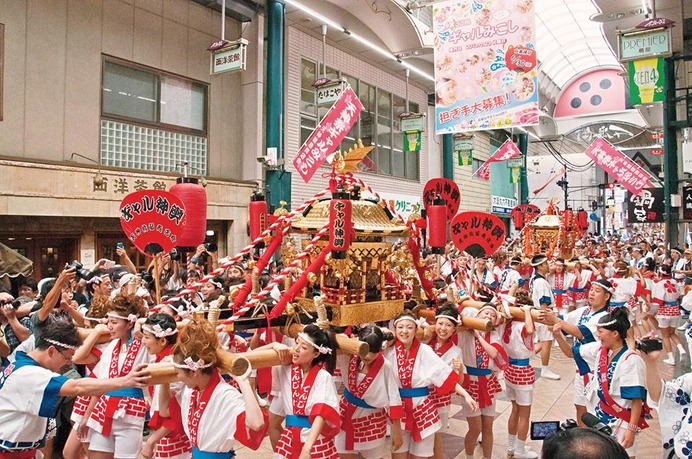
(552, 401)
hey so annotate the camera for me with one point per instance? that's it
(540, 430)
(647, 345)
(211, 247)
(119, 245)
(175, 256)
(81, 273)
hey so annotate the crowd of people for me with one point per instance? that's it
(75, 351)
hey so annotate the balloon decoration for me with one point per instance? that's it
(523, 214)
(194, 197)
(257, 210)
(445, 189)
(437, 225)
(478, 233)
(341, 223)
(153, 220)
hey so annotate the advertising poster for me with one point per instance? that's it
(485, 65)
(647, 206)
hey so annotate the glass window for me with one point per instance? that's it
(307, 91)
(154, 97)
(366, 94)
(384, 134)
(477, 163)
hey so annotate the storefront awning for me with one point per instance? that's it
(14, 264)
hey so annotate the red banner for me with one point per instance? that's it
(328, 134)
(153, 220)
(507, 150)
(620, 166)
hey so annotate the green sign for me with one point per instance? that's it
(514, 175)
(465, 157)
(412, 140)
(647, 82)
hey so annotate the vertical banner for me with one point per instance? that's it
(485, 65)
(627, 173)
(412, 141)
(465, 158)
(328, 134)
(463, 146)
(647, 82)
(514, 175)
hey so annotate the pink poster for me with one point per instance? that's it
(614, 162)
(328, 134)
(507, 150)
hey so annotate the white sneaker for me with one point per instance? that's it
(526, 454)
(683, 327)
(669, 361)
(547, 373)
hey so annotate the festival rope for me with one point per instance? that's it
(286, 218)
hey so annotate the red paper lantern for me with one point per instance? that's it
(582, 219)
(258, 217)
(341, 223)
(437, 225)
(194, 197)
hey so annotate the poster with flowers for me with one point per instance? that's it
(485, 65)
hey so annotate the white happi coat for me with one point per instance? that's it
(29, 396)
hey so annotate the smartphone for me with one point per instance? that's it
(119, 245)
(541, 430)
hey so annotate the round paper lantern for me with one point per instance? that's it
(341, 223)
(258, 217)
(194, 197)
(437, 225)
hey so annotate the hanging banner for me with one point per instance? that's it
(465, 157)
(328, 134)
(446, 189)
(153, 220)
(647, 82)
(507, 150)
(687, 203)
(515, 175)
(485, 65)
(647, 206)
(620, 166)
(412, 141)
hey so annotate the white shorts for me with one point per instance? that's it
(374, 453)
(579, 396)
(523, 395)
(487, 411)
(668, 321)
(543, 332)
(444, 417)
(424, 448)
(125, 440)
(89, 430)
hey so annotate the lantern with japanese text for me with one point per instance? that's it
(194, 197)
(437, 225)
(582, 220)
(258, 217)
(341, 223)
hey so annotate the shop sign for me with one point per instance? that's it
(404, 205)
(413, 122)
(687, 203)
(502, 205)
(462, 142)
(647, 43)
(124, 185)
(231, 57)
(647, 82)
(646, 207)
(515, 162)
(329, 92)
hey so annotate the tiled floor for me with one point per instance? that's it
(552, 401)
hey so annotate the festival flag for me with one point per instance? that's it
(507, 150)
(627, 173)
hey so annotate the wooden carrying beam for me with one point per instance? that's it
(466, 322)
(347, 345)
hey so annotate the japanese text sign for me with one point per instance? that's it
(620, 166)
(485, 65)
(507, 150)
(153, 220)
(328, 134)
(687, 203)
(447, 189)
(647, 206)
(478, 233)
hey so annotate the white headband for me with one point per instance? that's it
(102, 320)
(418, 322)
(159, 332)
(190, 364)
(307, 339)
(215, 284)
(607, 289)
(606, 324)
(58, 343)
(445, 316)
(130, 318)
